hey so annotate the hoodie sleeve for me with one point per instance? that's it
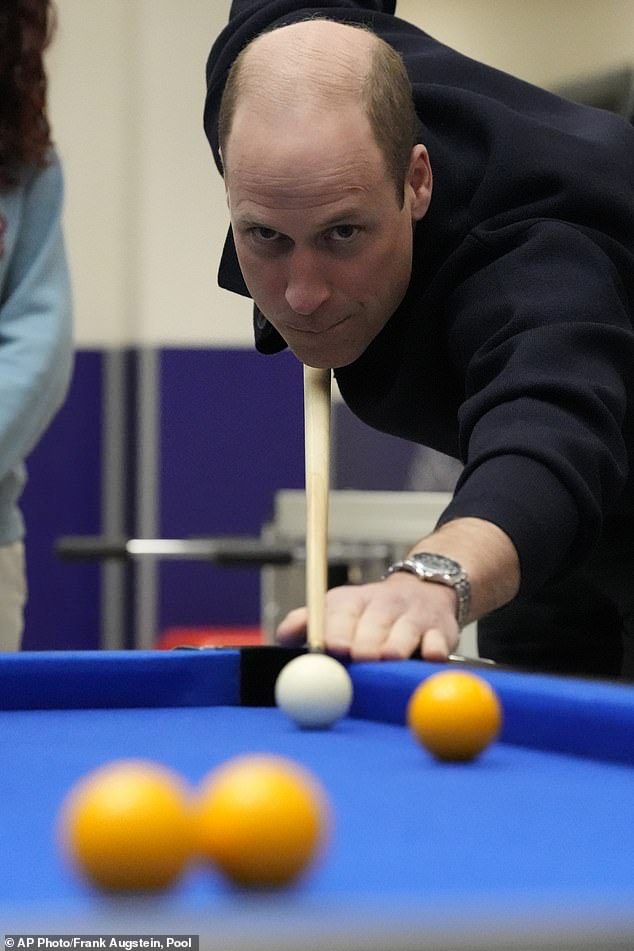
(543, 338)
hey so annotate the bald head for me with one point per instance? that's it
(314, 64)
(321, 66)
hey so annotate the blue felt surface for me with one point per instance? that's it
(517, 819)
(518, 822)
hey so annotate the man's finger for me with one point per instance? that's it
(436, 645)
(292, 628)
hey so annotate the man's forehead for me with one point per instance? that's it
(289, 138)
(255, 191)
(302, 159)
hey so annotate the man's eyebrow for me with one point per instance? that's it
(345, 216)
(247, 221)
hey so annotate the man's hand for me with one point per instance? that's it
(388, 619)
(403, 615)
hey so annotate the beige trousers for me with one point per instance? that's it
(12, 595)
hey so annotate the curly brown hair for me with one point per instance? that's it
(26, 29)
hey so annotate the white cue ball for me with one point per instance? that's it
(314, 690)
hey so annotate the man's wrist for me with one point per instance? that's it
(438, 569)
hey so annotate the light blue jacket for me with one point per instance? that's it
(35, 327)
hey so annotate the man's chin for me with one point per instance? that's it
(324, 359)
(336, 347)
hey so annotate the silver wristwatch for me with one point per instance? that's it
(430, 567)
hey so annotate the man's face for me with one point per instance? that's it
(323, 244)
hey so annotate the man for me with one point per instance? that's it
(464, 260)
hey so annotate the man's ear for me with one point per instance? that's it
(418, 182)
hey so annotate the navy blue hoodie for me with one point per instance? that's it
(513, 349)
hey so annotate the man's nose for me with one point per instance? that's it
(306, 287)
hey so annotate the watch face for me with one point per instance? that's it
(438, 563)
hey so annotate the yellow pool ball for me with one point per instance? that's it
(127, 826)
(261, 820)
(455, 715)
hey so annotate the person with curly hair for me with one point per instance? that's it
(35, 298)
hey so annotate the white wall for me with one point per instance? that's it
(145, 211)
(543, 41)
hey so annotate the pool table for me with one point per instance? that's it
(530, 846)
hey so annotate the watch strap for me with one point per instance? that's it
(456, 579)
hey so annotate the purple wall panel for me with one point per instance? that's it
(63, 497)
(231, 435)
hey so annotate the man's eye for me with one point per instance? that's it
(264, 234)
(343, 232)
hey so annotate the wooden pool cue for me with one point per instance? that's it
(317, 384)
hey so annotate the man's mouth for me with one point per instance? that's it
(318, 329)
